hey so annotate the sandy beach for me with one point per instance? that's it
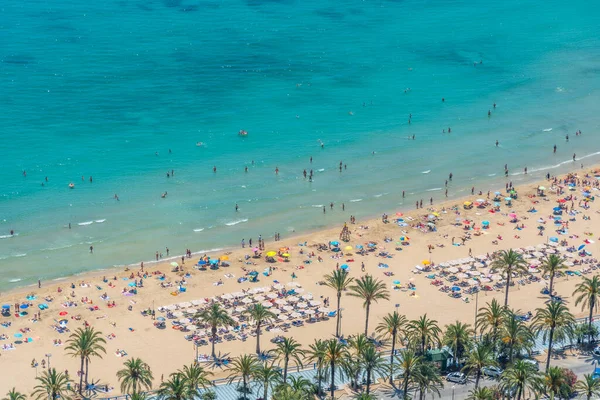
(435, 243)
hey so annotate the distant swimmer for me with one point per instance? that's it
(199, 144)
(237, 208)
(494, 105)
(311, 159)
(350, 112)
(242, 133)
(276, 170)
(567, 137)
(245, 169)
(170, 151)
(24, 173)
(443, 100)
(116, 197)
(413, 137)
(525, 170)
(164, 195)
(91, 249)
(71, 185)
(214, 169)
(497, 143)
(574, 156)
(449, 130)
(554, 149)
(47, 179)
(489, 113)
(91, 180)
(82, 178)
(450, 177)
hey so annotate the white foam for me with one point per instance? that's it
(20, 255)
(198, 229)
(239, 221)
(85, 223)
(100, 220)
(379, 195)
(6, 236)
(547, 130)
(317, 205)
(15, 280)
(434, 189)
(355, 200)
(321, 170)
(426, 172)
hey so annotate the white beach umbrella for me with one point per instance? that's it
(314, 303)
(190, 327)
(281, 302)
(267, 304)
(276, 311)
(287, 308)
(238, 295)
(283, 317)
(293, 299)
(295, 315)
(272, 295)
(240, 309)
(178, 314)
(293, 284)
(185, 304)
(259, 298)
(299, 290)
(301, 305)
(310, 312)
(247, 300)
(323, 309)
(198, 302)
(278, 286)
(227, 296)
(307, 296)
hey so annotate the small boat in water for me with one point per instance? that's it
(242, 133)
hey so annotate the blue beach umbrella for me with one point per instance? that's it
(161, 319)
(359, 246)
(508, 198)
(557, 209)
(396, 282)
(455, 289)
(496, 204)
(485, 223)
(335, 244)
(554, 239)
(344, 266)
(18, 335)
(24, 306)
(581, 247)
(5, 307)
(215, 261)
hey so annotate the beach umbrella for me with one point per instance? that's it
(293, 299)
(426, 262)
(301, 305)
(5, 307)
(259, 298)
(18, 335)
(455, 289)
(557, 209)
(292, 284)
(508, 198)
(247, 300)
(335, 244)
(287, 308)
(359, 246)
(309, 312)
(272, 295)
(286, 255)
(227, 296)
(399, 214)
(480, 200)
(396, 282)
(348, 248)
(24, 306)
(497, 193)
(561, 200)
(276, 311)
(267, 304)
(485, 223)
(467, 203)
(174, 264)
(323, 309)
(314, 303)
(224, 258)
(496, 204)
(542, 188)
(404, 238)
(581, 247)
(282, 317)
(295, 315)
(255, 249)
(239, 309)
(466, 222)
(344, 266)
(512, 215)
(161, 319)
(271, 254)
(214, 261)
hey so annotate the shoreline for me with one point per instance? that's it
(297, 235)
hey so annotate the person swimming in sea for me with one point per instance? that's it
(164, 195)
(554, 149)
(497, 143)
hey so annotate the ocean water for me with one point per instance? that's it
(124, 90)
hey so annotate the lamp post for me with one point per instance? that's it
(453, 387)
(476, 308)
(48, 355)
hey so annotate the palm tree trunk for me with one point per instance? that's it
(549, 348)
(266, 392)
(285, 368)
(422, 345)
(258, 338)
(510, 353)
(87, 360)
(477, 378)
(551, 283)
(337, 324)
(214, 337)
(81, 377)
(405, 391)
(392, 357)
(332, 388)
(507, 286)
(245, 388)
(367, 318)
(592, 303)
(368, 380)
(320, 378)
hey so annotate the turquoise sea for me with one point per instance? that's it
(107, 88)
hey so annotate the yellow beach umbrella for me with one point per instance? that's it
(224, 258)
(426, 262)
(271, 254)
(467, 203)
(348, 248)
(286, 255)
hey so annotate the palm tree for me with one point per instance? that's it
(138, 396)
(550, 266)
(483, 393)
(555, 322)
(352, 364)
(365, 396)
(243, 367)
(373, 362)
(480, 357)
(301, 385)
(589, 386)
(339, 281)
(286, 392)
(553, 380)
(267, 375)
(428, 379)
(458, 337)
(175, 388)
(424, 331)
(520, 376)
(392, 325)
(490, 318)
(369, 290)
(508, 263)
(335, 351)
(215, 316)
(260, 315)
(588, 294)
(316, 354)
(14, 395)
(85, 343)
(288, 349)
(136, 375)
(515, 334)
(52, 385)
(410, 364)
(196, 376)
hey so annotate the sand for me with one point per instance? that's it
(166, 350)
